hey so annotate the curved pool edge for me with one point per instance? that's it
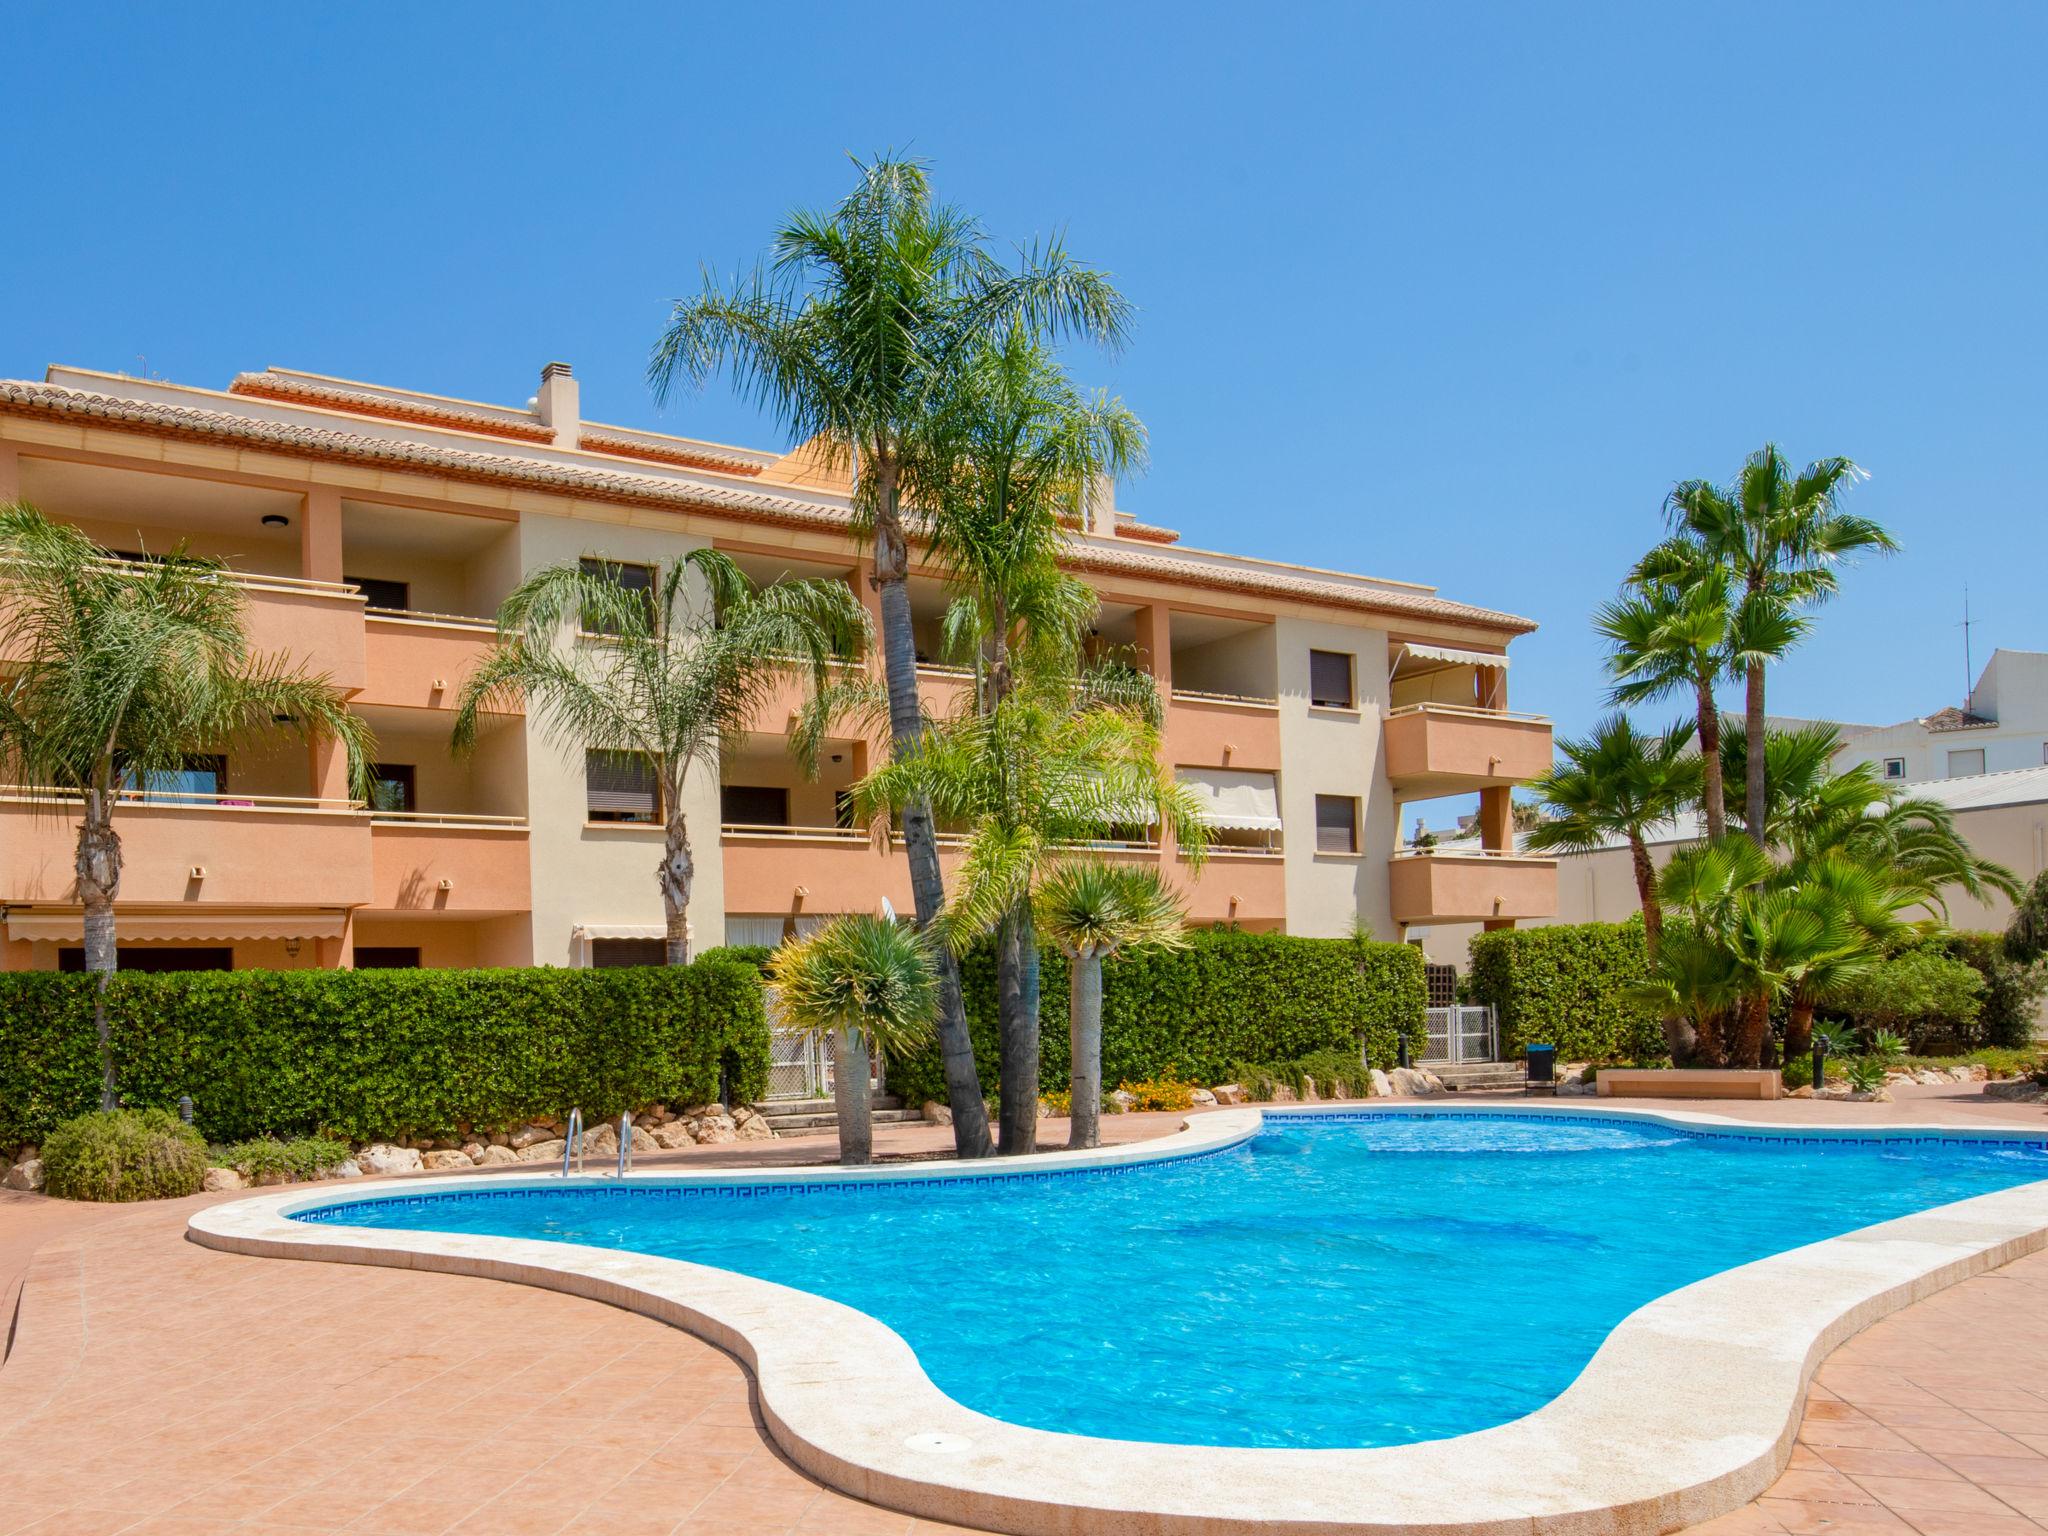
(1670, 1423)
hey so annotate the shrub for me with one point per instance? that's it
(305, 1157)
(124, 1154)
(1919, 994)
(1564, 986)
(371, 1054)
(2013, 988)
(1187, 1015)
(1329, 1069)
(1163, 1094)
(1865, 1073)
(1797, 1072)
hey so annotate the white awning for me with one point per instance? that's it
(206, 927)
(619, 931)
(1450, 656)
(1234, 798)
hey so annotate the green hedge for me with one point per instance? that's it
(1192, 1014)
(367, 1054)
(1562, 986)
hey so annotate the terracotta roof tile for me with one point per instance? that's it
(58, 402)
(361, 402)
(1954, 719)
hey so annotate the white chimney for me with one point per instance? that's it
(1098, 507)
(560, 404)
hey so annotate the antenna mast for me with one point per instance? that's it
(1969, 670)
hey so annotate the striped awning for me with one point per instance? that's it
(200, 926)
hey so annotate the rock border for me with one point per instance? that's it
(1689, 1408)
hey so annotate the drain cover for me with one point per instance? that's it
(939, 1444)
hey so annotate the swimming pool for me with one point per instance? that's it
(1369, 1279)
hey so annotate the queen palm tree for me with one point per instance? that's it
(854, 334)
(116, 673)
(1094, 912)
(1779, 536)
(657, 678)
(1618, 783)
(1059, 762)
(867, 984)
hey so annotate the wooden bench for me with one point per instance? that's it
(1688, 1083)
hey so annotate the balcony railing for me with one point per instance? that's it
(1238, 700)
(780, 830)
(445, 819)
(1461, 884)
(186, 799)
(1443, 749)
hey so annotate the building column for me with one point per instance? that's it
(1155, 644)
(10, 473)
(1497, 834)
(320, 534)
(1491, 686)
(339, 954)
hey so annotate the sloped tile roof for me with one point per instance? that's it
(1954, 719)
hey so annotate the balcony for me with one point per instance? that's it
(421, 660)
(1470, 885)
(1448, 749)
(1223, 730)
(1236, 885)
(216, 851)
(473, 866)
(812, 869)
(318, 624)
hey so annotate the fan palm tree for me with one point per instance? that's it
(1780, 536)
(1094, 912)
(658, 677)
(1618, 783)
(867, 984)
(116, 672)
(1051, 766)
(1668, 636)
(854, 334)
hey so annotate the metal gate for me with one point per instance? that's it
(1460, 1034)
(800, 1065)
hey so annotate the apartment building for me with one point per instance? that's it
(375, 530)
(2000, 728)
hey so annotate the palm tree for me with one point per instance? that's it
(1779, 535)
(117, 672)
(854, 334)
(658, 677)
(1060, 762)
(1618, 783)
(868, 984)
(1669, 636)
(1094, 912)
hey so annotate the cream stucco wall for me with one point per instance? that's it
(1334, 752)
(606, 874)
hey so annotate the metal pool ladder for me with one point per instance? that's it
(625, 1142)
(572, 1144)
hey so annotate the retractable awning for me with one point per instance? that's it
(1238, 799)
(203, 927)
(1447, 656)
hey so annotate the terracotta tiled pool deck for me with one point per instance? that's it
(161, 1389)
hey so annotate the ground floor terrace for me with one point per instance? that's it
(158, 1388)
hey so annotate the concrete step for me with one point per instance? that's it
(776, 1107)
(825, 1125)
(1470, 1075)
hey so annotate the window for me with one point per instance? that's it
(155, 958)
(387, 957)
(842, 809)
(606, 953)
(1329, 680)
(753, 805)
(1336, 824)
(379, 593)
(1965, 761)
(391, 787)
(620, 786)
(629, 578)
(1895, 767)
(203, 774)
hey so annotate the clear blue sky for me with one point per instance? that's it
(1445, 293)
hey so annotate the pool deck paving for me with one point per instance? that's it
(157, 1388)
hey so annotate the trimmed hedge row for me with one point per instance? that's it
(1191, 1014)
(368, 1054)
(1562, 986)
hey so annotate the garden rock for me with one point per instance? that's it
(1804, 1091)
(384, 1158)
(473, 1150)
(527, 1135)
(1414, 1081)
(1202, 1096)
(1283, 1094)
(673, 1135)
(1229, 1093)
(2016, 1090)
(1124, 1100)
(1381, 1088)
(494, 1156)
(713, 1129)
(448, 1157)
(1577, 1088)
(542, 1152)
(26, 1175)
(936, 1113)
(749, 1126)
(347, 1169)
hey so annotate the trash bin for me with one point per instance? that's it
(1542, 1061)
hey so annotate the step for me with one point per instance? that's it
(825, 1125)
(1485, 1074)
(773, 1107)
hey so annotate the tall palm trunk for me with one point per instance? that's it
(1748, 1047)
(678, 871)
(1017, 1008)
(920, 841)
(1753, 726)
(1713, 792)
(97, 865)
(851, 1096)
(1678, 1033)
(1084, 1046)
(1799, 1028)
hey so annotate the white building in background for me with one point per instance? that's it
(2000, 728)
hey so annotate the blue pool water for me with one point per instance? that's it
(1368, 1280)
